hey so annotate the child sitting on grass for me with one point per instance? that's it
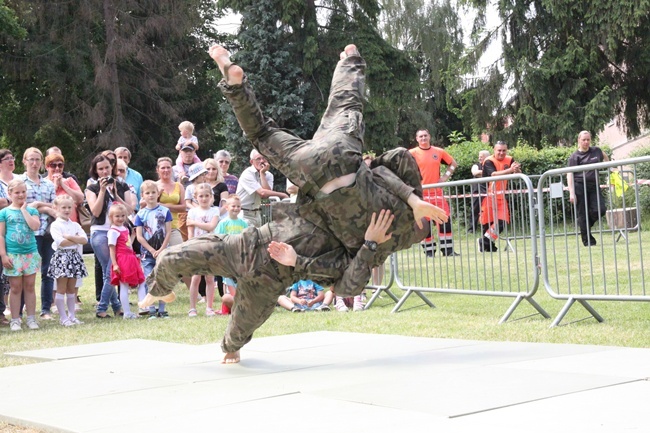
(305, 295)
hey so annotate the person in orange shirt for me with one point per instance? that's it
(494, 210)
(430, 159)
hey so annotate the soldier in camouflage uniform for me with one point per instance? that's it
(337, 192)
(325, 234)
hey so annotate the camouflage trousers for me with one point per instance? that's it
(259, 279)
(336, 148)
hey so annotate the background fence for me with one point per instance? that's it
(510, 271)
(542, 238)
(613, 268)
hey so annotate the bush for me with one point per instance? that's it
(643, 172)
(533, 161)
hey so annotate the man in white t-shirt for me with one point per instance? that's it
(256, 183)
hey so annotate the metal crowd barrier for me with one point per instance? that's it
(380, 282)
(609, 270)
(511, 271)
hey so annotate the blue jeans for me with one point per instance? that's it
(99, 242)
(148, 263)
(44, 245)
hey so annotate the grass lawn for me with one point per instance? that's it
(456, 316)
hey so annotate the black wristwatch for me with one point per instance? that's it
(371, 245)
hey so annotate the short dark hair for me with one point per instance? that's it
(5, 152)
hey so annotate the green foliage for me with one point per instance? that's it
(533, 161)
(568, 66)
(308, 49)
(465, 153)
(536, 162)
(107, 73)
(625, 200)
(643, 172)
(431, 37)
(9, 23)
(278, 82)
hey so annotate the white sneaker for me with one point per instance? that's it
(210, 312)
(130, 316)
(31, 324)
(340, 305)
(15, 325)
(67, 323)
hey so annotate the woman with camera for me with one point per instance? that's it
(100, 196)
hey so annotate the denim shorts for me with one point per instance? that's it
(306, 308)
(24, 264)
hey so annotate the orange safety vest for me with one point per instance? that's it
(500, 186)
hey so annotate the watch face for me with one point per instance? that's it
(372, 245)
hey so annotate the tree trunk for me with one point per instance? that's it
(117, 127)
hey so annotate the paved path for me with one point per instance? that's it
(330, 381)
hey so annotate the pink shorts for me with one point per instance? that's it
(24, 264)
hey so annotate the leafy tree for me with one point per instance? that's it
(312, 36)
(9, 25)
(431, 35)
(106, 73)
(572, 66)
(280, 90)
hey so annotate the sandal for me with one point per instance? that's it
(102, 315)
(192, 313)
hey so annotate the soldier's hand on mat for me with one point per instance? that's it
(283, 253)
(377, 231)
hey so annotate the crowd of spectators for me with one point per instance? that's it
(156, 216)
(189, 197)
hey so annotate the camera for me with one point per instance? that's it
(109, 180)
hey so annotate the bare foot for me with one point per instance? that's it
(231, 358)
(232, 73)
(350, 51)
